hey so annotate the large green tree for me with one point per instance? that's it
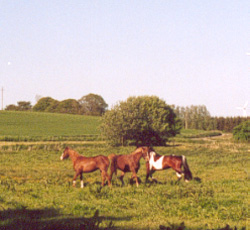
(68, 106)
(92, 104)
(143, 120)
(45, 104)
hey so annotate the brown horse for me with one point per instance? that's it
(82, 164)
(128, 163)
(158, 162)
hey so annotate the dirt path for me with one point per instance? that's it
(223, 136)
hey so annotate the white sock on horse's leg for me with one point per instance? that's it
(178, 175)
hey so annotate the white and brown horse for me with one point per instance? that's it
(158, 162)
(82, 164)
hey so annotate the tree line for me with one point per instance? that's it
(198, 117)
(91, 104)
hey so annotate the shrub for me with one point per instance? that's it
(144, 120)
(241, 132)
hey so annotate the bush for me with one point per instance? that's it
(241, 132)
(144, 120)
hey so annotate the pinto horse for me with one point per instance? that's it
(128, 163)
(82, 164)
(158, 162)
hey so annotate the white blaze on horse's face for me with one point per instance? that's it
(61, 158)
(156, 164)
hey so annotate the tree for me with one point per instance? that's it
(242, 131)
(71, 106)
(24, 105)
(92, 104)
(44, 103)
(193, 117)
(11, 107)
(143, 120)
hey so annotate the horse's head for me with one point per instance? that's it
(65, 153)
(151, 154)
(145, 152)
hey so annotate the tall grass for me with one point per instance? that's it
(36, 191)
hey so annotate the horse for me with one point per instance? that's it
(158, 162)
(128, 163)
(82, 164)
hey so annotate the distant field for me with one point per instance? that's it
(18, 126)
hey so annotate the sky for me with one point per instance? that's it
(186, 52)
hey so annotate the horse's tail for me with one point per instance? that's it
(187, 173)
(113, 168)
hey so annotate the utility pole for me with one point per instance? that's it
(2, 98)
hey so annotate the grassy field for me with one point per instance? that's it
(36, 187)
(36, 191)
(33, 126)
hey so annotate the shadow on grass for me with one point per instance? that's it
(51, 218)
(183, 227)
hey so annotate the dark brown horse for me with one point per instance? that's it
(128, 163)
(83, 164)
(178, 163)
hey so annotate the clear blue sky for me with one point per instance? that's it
(187, 52)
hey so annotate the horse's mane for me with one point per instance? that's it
(73, 151)
(139, 149)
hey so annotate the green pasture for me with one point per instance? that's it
(34, 126)
(36, 187)
(36, 190)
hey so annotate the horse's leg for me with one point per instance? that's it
(74, 179)
(179, 172)
(151, 176)
(148, 172)
(134, 175)
(179, 175)
(103, 177)
(82, 184)
(121, 177)
(108, 178)
(112, 170)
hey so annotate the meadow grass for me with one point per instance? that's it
(34, 126)
(36, 190)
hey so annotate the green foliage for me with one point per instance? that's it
(11, 108)
(45, 104)
(143, 120)
(92, 104)
(21, 106)
(70, 106)
(242, 131)
(227, 124)
(194, 117)
(198, 117)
